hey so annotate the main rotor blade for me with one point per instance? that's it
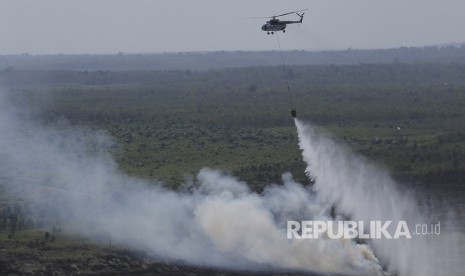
(255, 17)
(284, 14)
(291, 12)
(274, 16)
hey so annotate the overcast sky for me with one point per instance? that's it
(148, 26)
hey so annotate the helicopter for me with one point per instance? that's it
(275, 25)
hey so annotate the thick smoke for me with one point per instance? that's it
(364, 192)
(218, 221)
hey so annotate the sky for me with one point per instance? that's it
(157, 26)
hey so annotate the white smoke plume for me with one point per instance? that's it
(365, 192)
(219, 221)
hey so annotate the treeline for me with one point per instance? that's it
(254, 97)
(254, 78)
(222, 59)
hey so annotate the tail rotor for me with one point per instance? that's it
(301, 16)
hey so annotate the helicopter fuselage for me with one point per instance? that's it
(274, 26)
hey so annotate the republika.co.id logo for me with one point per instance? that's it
(358, 229)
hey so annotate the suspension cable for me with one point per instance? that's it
(282, 62)
(285, 74)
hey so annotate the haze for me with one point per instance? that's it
(148, 26)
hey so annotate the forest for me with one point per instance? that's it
(169, 124)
